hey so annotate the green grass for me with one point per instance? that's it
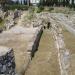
(15, 6)
(1, 24)
(45, 61)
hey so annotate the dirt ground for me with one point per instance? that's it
(45, 61)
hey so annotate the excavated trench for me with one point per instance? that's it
(45, 61)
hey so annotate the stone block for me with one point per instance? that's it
(7, 61)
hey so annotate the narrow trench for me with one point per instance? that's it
(45, 61)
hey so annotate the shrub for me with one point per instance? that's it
(1, 20)
(1, 23)
(51, 8)
(40, 9)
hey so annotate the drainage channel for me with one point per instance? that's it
(45, 61)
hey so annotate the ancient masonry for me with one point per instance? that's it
(33, 45)
(63, 53)
(7, 61)
(9, 18)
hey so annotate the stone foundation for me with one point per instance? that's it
(7, 61)
(34, 43)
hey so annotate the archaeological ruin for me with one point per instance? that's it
(35, 44)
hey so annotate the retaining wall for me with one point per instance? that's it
(34, 43)
(7, 61)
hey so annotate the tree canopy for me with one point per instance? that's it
(57, 2)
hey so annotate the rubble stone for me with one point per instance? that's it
(7, 61)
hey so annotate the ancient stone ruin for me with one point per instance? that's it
(7, 61)
(19, 42)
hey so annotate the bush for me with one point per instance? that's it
(40, 9)
(51, 8)
(13, 7)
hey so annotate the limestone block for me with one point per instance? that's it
(7, 61)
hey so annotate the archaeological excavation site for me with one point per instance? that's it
(36, 38)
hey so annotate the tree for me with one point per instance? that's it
(3, 2)
(56, 2)
(67, 2)
(21, 1)
(72, 3)
(17, 1)
(28, 2)
(24, 2)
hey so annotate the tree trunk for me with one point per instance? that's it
(28, 2)
(21, 1)
(72, 2)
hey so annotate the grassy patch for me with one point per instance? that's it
(40, 9)
(1, 24)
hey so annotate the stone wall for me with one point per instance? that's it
(32, 47)
(7, 61)
(33, 44)
(63, 53)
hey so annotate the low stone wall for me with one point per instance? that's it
(7, 61)
(32, 47)
(34, 43)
